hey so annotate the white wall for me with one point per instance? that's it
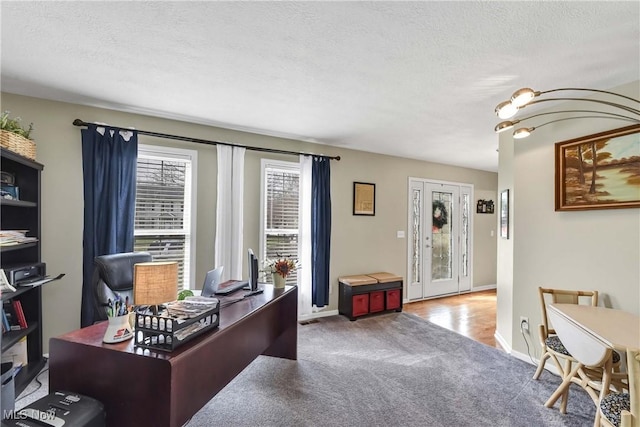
(359, 244)
(593, 249)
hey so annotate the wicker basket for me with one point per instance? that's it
(18, 144)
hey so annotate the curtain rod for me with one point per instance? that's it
(78, 122)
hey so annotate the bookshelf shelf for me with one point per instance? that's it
(12, 337)
(18, 203)
(17, 247)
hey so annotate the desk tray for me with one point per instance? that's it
(180, 322)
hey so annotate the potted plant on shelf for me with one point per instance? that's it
(16, 138)
(281, 268)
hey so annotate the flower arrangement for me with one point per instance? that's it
(282, 266)
(14, 126)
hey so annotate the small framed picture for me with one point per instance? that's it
(364, 198)
(504, 214)
(7, 178)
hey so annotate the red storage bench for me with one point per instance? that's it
(369, 293)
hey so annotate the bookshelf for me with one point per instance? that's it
(23, 214)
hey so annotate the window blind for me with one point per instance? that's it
(281, 194)
(163, 209)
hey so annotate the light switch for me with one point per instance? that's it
(400, 234)
(491, 233)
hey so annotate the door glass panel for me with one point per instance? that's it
(416, 265)
(441, 236)
(464, 234)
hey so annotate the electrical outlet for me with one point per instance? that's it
(524, 324)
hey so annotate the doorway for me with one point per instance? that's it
(440, 238)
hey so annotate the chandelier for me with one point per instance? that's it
(626, 108)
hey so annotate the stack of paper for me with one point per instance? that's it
(15, 237)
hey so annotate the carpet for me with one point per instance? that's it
(391, 369)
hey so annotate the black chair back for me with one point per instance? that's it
(114, 274)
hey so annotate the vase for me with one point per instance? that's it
(119, 329)
(278, 281)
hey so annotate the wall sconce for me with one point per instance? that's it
(526, 96)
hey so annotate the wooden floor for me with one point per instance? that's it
(472, 315)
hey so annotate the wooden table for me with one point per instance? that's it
(142, 387)
(616, 328)
(589, 334)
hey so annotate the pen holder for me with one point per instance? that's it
(119, 329)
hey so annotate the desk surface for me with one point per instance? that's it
(618, 329)
(229, 315)
(150, 387)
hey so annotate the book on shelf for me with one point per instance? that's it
(6, 326)
(11, 315)
(15, 237)
(22, 320)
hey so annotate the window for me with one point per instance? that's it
(165, 196)
(280, 200)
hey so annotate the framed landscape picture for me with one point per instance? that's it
(600, 171)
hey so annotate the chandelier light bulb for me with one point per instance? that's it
(506, 110)
(522, 133)
(523, 96)
(502, 126)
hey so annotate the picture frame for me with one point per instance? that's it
(364, 198)
(616, 181)
(484, 206)
(504, 214)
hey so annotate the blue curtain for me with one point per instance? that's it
(109, 171)
(320, 230)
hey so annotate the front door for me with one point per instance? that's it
(439, 240)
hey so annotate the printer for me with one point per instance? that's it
(59, 409)
(25, 273)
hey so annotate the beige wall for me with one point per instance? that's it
(359, 244)
(593, 249)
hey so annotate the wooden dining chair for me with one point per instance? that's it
(593, 366)
(623, 409)
(554, 349)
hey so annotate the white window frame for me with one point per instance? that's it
(264, 165)
(189, 230)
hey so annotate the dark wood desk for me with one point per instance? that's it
(141, 387)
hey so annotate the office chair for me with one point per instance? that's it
(114, 274)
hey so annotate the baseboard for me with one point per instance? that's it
(316, 315)
(476, 289)
(483, 288)
(549, 366)
(503, 343)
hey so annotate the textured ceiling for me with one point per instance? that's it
(411, 79)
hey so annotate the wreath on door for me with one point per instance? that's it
(440, 214)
